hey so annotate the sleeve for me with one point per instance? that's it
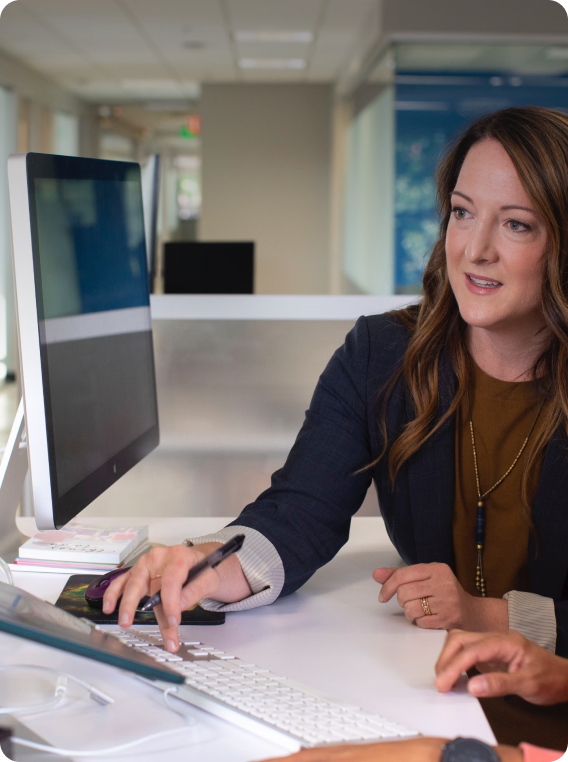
(306, 512)
(260, 563)
(561, 608)
(535, 754)
(534, 617)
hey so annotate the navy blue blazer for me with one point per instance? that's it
(306, 512)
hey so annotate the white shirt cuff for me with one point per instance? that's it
(261, 565)
(534, 617)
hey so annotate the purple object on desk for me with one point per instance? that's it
(96, 590)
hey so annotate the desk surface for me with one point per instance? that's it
(331, 635)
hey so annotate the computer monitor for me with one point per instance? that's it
(209, 267)
(151, 201)
(84, 327)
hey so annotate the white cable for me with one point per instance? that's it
(171, 692)
(95, 693)
(95, 752)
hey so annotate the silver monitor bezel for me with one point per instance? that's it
(47, 514)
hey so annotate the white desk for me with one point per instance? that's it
(331, 635)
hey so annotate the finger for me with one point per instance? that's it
(433, 622)
(114, 591)
(495, 684)
(455, 641)
(413, 610)
(493, 647)
(174, 574)
(201, 587)
(137, 586)
(381, 575)
(416, 573)
(414, 591)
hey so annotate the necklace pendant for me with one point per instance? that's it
(479, 576)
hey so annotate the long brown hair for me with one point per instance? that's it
(536, 140)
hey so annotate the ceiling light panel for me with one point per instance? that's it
(283, 64)
(274, 36)
(266, 50)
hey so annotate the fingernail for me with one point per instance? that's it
(183, 601)
(171, 646)
(172, 622)
(478, 686)
(107, 607)
(123, 620)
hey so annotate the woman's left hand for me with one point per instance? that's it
(450, 606)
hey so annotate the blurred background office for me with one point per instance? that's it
(308, 130)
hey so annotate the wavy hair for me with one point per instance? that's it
(536, 140)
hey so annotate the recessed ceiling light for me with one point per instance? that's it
(274, 36)
(272, 63)
(149, 84)
(557, 53)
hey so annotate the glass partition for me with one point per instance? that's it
(232, 397)
(434, 90)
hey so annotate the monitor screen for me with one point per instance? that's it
(94, 324)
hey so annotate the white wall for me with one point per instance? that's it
(8, 145)
(368, 252)
(266, 174)
(42, 92)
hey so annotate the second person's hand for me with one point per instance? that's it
(511, 665)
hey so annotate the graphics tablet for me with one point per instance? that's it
(29, 617)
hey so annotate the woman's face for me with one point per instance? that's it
(495, 244)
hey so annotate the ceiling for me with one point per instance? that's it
(115, 50)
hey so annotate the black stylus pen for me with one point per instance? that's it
(209, 562)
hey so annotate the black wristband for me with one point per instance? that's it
(468, 750)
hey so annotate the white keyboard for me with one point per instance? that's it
(256, 700)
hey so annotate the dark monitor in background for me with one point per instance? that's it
(150, 200)
(207, 267)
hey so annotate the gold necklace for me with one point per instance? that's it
(480, 526)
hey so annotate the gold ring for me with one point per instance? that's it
(425, 607)
(158, 576)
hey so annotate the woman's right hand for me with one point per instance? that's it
(166, 569)
(511, 665)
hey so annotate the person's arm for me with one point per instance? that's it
(533, 616)
(561, 611)
(307, 510)
(305, 515)
(510, 664)
(416, 750)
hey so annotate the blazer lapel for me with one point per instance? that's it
(548, 565)
(431, 481)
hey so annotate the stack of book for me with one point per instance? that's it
(80, 548)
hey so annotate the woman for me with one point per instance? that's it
(512, 665)
(457, 409)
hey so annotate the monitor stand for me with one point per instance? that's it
(13, 471)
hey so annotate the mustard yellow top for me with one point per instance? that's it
(502, 413)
